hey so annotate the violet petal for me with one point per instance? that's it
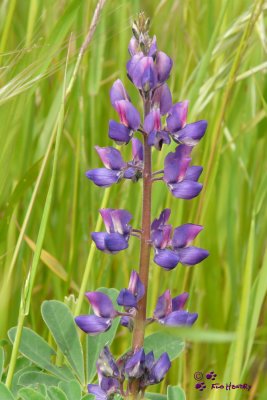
(115, 242)
(118, 92)
(92, 324)
(185, 234)
(110, 157)
(144, 74)
(164, 305)
(166, 259)
(134, 366)
(119, 132)
(136, 286)
(157, 139)
(137, 150)
(129, 116)
(191, 133)
(163, 66)
(193, 173)
(178, 302)
(179, 318)
(103, 177)
(162, 220)
(97, 392)
(152, 121)
(192, 255)
(126, 299)
(162, 98)
(177, 115)
(186, 189)
(160, 368)
(101, 304)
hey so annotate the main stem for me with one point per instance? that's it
(140, 319)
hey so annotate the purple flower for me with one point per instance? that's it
(115, 168)
(180, 178)
(146, 369)
(106, 365)
(118, 92)
(135, 365)
(172, 249)
(152, 125)
(104, 314)
(129, 117)
(130, 297)
(134, 169)
(170, 311)
(109, 376)
(162, 99)
(118, 231)
(188, 134)
(107, 387)
(158, 370)
(134, 47)
(148, 71)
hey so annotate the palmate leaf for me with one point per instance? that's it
(60, 322)
(5, 393)
(175, 393)
(56, 393)
(37, 350)
(161, 342)
(37, 378)
(31, 394)
(72, 389)
(16, 379)
(96, 343)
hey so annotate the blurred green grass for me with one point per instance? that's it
(219, 52)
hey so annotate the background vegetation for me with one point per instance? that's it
(219, 52)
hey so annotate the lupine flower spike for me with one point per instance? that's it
(164, 122)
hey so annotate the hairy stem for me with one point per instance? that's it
(140, 319)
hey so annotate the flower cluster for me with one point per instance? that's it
(138, 366)
(171, 247)
(168, 311)
(164, 123)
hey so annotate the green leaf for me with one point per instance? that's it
(72, 389)
(36, 378)
(36, 349)
(5, 394)
(155, 396)
(60, 322)
(198, 335)
(96, 343)
(175, 393)
(15, 387)
(2, 361)
(42, 389)
(163, 342)
(88, 397)
(56, 393)
(15, 382)
(30, 394)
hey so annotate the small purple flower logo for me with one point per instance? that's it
(211, 375)
(200, 386)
